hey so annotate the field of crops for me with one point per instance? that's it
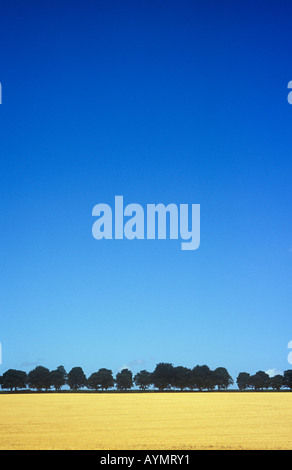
(146, 421)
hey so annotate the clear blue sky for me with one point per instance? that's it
(158, 101)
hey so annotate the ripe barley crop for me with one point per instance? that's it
(146, 421)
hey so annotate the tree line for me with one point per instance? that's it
(164, 377)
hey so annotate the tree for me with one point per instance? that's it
(288, 379)
(143, 379)
(92, 381)
(124, 379)
(162, 376)
(277, 382)
(39, 378)
(202, 377)
(221, 378)
(260, 380)
(76, 378)
(102, 379)
(243, 380)
(105, 377)
(14, 379)
(58, 377)
(181, 377)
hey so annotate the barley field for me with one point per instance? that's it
(153, 421)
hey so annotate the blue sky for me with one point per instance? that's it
(158, 101)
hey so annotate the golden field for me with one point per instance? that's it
(138, 421)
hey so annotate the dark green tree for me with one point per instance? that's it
(103, 379)
(93, 382)
(243, 381)
(277, 382)
(58, 377)
(221, 378)
(162, 376)
(143, 379)
(288, 378)
(39, 378)
(181, 377)
(76, 378)
(14, 379)
(260, 380)
(202, 378)
(124, 379)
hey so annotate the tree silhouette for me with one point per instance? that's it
(221, 378)
(76, 378)
(181, 377)
(288, 378)
(124, 379)
(14, 379)
(58, 377)
(260, 380)
(103, 379)
(277, 382)
(243, 381)
(39, 378)
(163, 375)
(93, 381)
(143, 379)
(202, 378)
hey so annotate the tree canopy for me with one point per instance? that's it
(102, 379)
(124, 379)
(165, 376)
(14, 379)
(39, 378)
(76, 378)
(143, 379)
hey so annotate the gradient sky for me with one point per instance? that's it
(158, 101)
